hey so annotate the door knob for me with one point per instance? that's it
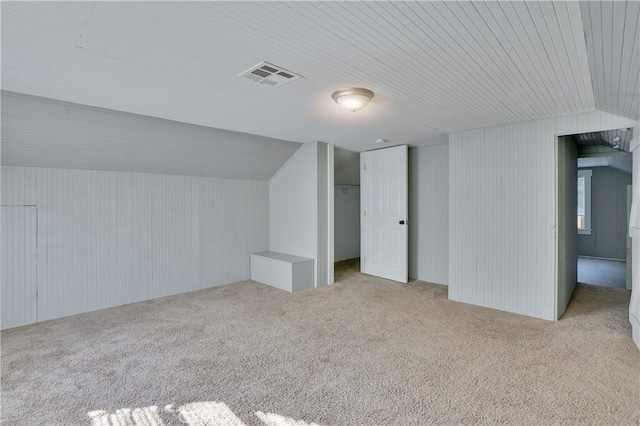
(401, 222)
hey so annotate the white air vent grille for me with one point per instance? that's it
(269, 74)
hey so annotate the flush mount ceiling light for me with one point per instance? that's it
(352, 99)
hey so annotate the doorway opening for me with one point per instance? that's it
(595, 175)
(605, 168)
(346, 206)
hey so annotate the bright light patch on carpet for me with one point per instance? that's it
(145, 416)
(272, 419)
(205, 413)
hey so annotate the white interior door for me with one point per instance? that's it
(18, 291)
(384, 204)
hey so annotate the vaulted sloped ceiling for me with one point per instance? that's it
(436, 67)
(612, 31)
(50, 133)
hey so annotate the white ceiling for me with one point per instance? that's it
(612, 32)
(622, 162)
(43, 132)
(606, 138)
(436, 67)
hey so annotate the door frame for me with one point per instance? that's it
(557, 207)
(363, 194)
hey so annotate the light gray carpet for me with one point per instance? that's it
(363, 351)
(607, 273)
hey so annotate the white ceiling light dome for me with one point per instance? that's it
(353, 98)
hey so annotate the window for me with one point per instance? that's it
(584, 202)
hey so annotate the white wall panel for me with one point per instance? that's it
(502, 212)
(293, 206)
(634, 233)
(300, 208)
(18, 296)
(429, 214)
(110, 238)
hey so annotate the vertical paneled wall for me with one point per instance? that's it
(18, 289)
(567, 202)
(634, 233)
(111, 238)
(608, 237)
(429, 214)
(502, 204)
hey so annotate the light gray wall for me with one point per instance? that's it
(429, 213)
(347, 222)
(293, 205)
(19, 260)
(298, 197)
(608, 237)
(40, 132)
(634, 232)
(111, 238)
(567, 235)
(346, 167)
(502, 204)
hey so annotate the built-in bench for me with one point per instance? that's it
(283, 271)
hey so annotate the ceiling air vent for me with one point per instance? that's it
(269, 74)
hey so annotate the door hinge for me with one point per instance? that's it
(365, 212)
(365, 167)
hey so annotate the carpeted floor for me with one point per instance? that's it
(602, 272)
(363, 351)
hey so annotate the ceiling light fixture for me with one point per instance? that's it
(352, 99)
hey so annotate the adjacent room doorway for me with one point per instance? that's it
(593, 197)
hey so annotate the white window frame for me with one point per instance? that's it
(586, 174)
